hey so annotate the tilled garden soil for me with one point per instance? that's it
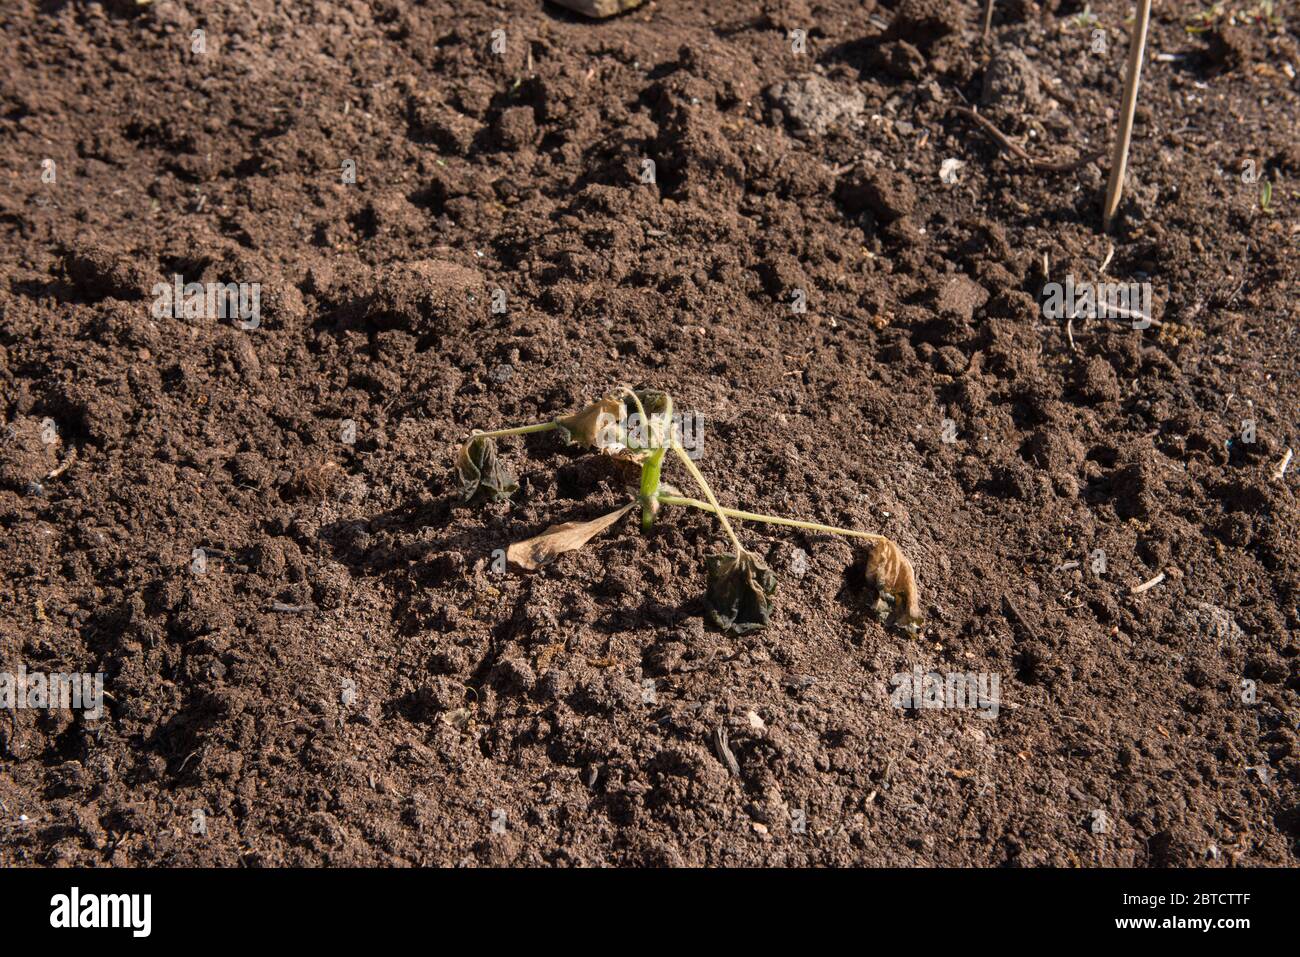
(453, 228)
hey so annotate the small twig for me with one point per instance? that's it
(724, 751)
(988, 20)
(1280, 471)
(1011, 146)
(188, 758)
(67, 464)
(291, 609)
(1241, 285)
(1001, 138)
(1064, 166)
(1016, 617)
(1147, 585)
(1119, 159)
(1119, 312)
(1110, 253)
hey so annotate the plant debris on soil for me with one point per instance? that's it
(243, 513)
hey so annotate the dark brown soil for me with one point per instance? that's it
(420, 696)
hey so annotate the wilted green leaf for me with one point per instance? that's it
(739, 595)
(480, 470)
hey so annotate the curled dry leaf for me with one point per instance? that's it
(596, 426)
(533, 553)
(891, 573)
(739, 593)
(479, 469)
(612, 424)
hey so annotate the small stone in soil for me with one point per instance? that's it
(599, 9)
(798, 563)
(814, 104)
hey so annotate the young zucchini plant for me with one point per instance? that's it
(638, 426)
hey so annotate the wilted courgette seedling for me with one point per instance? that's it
(482, 472)
(638, 426)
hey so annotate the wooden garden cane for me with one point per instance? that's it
(1119, 159)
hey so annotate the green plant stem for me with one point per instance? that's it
(717, 509)
(769, 519)
(636, 400)
(666, 420)
(651, 469)
(517, 430)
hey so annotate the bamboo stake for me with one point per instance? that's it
(1119, 159)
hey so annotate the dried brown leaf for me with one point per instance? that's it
(890, 571)
(558, 539)
(596, 426)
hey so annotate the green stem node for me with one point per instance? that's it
(651, 469)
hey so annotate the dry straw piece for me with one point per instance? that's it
(1119, 159)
